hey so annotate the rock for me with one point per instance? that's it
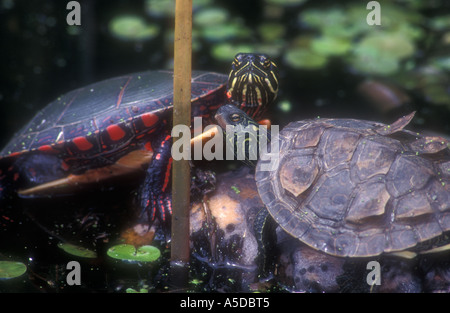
(223, 245)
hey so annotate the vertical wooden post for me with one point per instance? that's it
(180, 170)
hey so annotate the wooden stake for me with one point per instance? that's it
(181, 115)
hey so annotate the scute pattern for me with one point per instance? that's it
(358, 188)
(108, 117)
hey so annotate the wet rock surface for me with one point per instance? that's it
(224, 248)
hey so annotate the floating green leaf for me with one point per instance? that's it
(133, 28)
(321, 19)
(381, 53)
(304, 58)
(129, 253)
(11, 269)
(210, 17)
(330, 46)
(222, 32)
(77, 250)
(160, 7)
(131, 290)
(227, 51)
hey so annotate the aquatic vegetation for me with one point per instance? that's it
(226, 31)
(224, 51)
(381, 54)
(127, 252)
(300, 58)
(131, 290)
(11, 269)
(311, 37)
(368, 49)
(133, 28)
(210, 17)
(329, 46)
(77, 250)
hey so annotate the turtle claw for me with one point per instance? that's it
(157, 205)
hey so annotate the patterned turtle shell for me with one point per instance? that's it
(357, 188)
(107, 118)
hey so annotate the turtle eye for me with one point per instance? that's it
(235, 117)
(266, 63)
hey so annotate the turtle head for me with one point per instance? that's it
(230, 115)
(243, 134)
(253, 82)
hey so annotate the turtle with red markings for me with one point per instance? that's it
(116, 127)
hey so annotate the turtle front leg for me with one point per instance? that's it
(155, 192)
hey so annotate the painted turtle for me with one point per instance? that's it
(354, 188)
(105, 129)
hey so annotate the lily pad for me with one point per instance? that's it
(299, 58)
(131, 290)
(11, 269)
(333, 22)
(129, 253)
(227, 51)
(222, 32)
(160, 8)
(381, 53)
(133, 28)
(386, 44)
(210, 17)
(77, 250)
(330, 46)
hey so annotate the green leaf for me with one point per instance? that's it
(11, 269)
(210, 17)
(129, 253)
(133, 28)
(330, 46)
(77, 250)
(304, 58)
(227, 51)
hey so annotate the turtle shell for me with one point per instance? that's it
(358, 188)
(106, 118)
